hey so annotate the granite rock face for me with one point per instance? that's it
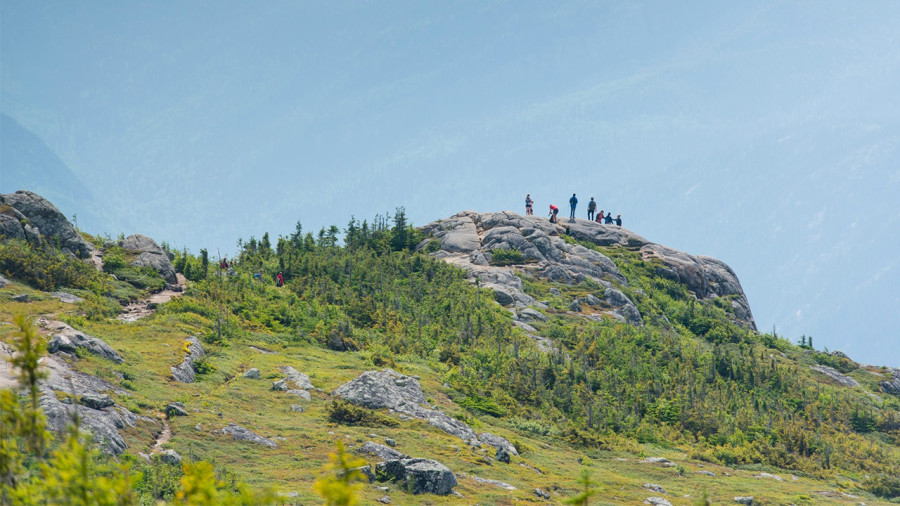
(468, 240)
(69, 340)
(840, 379)
(151, 255)
(38, 221)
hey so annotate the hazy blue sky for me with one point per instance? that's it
(766, 134)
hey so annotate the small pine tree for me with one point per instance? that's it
(589, 489)
(341, 481)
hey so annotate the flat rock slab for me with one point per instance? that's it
(184, 372)
(840, 379)
(243, 434)
(69, 340)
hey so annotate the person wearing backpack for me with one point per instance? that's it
(553, 212)
(573, 202)
(279, 280)
(619, 220)
(528, 203)
(592, 207)
(608, 219)
(600, 217)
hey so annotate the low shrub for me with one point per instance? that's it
(346, 413)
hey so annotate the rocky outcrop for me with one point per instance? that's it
(184, 372)
(403, 394)
(242, 434)
(98, 413)
(381, 451)
(151, 255)
(67, 339)
(839, 378)
(498, 442)
(468, 240)
(891, 386)
(37, 217)
(418, 476)
(3, 281)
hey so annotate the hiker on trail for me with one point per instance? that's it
(619, 220)
(573, 202)
(258, 275)
(279, 280)
(600, 217)
(528, 204)
(592, 207)
(224, 264)
(608, 219)
(553, 212)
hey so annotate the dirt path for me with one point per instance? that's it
(163, 437)
(146, 307)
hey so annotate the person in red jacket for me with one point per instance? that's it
(279, 280)
(600, 217)
(553, 212)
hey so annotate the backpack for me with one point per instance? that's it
(592, 206)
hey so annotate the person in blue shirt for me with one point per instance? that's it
(573, 202)
(608, 219)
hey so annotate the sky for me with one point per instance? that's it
(765, 134)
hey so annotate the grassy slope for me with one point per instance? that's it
(150, 346)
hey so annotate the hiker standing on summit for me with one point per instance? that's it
(592, 208)
(573, 202)
(528, 203)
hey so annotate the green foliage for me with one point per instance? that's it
(504, 256)
(484, 405)
(588, 490)
(341, 411)
(883, 485)
(48, 269)
(97, 307)
(341, 478)
(200, 487)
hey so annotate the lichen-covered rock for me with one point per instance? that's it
(299, 379)
(184, 372)
(243, 434)
(151, 255)
(382, 389)
(403, 394)
(3, 281)
(502, 456)
(420, 476)
(94, 401)
(381, 451)
(253, 373)
(891, 386)
(175, 409)
(498, 442)
(170, 457)
(44, 218)
(70, 340)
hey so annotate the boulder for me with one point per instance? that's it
(22, 297)
(498, 442)
(170, 457)
(502, 456)
(150, 255)
(530, 315)
(175, 409)
(297, 408)
(381, 451)
(656, 488)
(420, 476)
(96, 401)
(70, 340)
(48, 220)
(299, 392)
(253, 373)
(184, 372)
(299, 379)
(242, 434)
(657, 501)
(382, 389)
(748, 500)
(3, 281)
